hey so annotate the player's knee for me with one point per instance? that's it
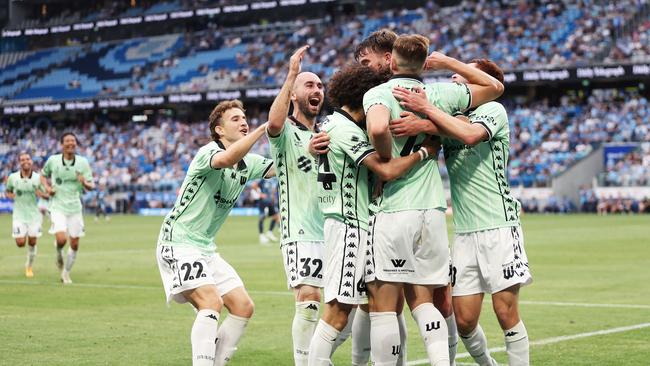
(32, 242)
(465, 323)
(245, 308)
(506, 312)
(307, 293)
(20, 242)
(442, 302)
(74, 244)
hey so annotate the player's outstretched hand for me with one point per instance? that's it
(319, 144)
(436, 61)
(433, 146)
(296, 59)
(50, 191)
(415, 100)
(410, 124)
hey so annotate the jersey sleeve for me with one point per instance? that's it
(10, 184)
(492, 116)
(453, 98)
(352, 141)
(47, 168)
(201, 162)
(376, 96)
(279, 141)
(85, 171)
(258, 166)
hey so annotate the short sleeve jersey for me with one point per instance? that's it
(25, 204)
(345, 199)
(206, 197)
(421, 187)
(63, 176)
(300, 215)
(480, 193)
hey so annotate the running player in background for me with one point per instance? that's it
(70, 176)
(414, 257)
(264, 202)
(301, 220)
(190, 268)
(488, 252)
(344, 199)
(100, 203)
(24, 187)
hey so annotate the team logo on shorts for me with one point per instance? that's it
(508, 270)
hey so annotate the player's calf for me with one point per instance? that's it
(240, 307)
(207, 301)
(505, 304)
(335, 318)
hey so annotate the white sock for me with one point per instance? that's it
(321, 345)
(384, 338)
(452, 338)
(302, 330)
(476, 345)
(433, 330)
(31, 255)
(517, 345)
(360, 338)
(204, 335)
(228, 336)
(72, 255)
(345, 333)
(403, 333)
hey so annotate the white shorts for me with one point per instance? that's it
(184, 268)
(345, 254)
(22, 229)
(489, 261)
(73, 224)
(303, 263)
(409, 247)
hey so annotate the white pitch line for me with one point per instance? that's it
(289, 293)
(551, 340)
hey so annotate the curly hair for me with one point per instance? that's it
(348, 85)
(379, 41)
(218, 111)
(488, 67)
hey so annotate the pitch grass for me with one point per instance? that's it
(114, 313)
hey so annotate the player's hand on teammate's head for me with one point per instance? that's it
(436, 61)
(319, 144)
(296, 59)
(413, 100)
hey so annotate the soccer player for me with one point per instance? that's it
(70, 175)
(301, 221)
(190, 268)
(488, 252)
(408, 230)
(100, 200)
(24, 186)
(264, 203)
(344, 199)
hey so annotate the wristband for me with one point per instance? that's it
(424, 154)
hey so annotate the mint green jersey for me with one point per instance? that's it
(480, 193)
(25, 204)
(300, 215)
(63, 176)
(345, 199)
(206, 197)
(421, 187)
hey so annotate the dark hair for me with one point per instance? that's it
(348, 85)
(378, 41)
(218, 111)
(488, 67)
(66, 134)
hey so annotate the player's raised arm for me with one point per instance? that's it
(9, 192)
(237, 150)
(484, 88)
(280, 107)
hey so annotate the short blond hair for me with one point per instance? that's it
(219, 110)
(410, 51)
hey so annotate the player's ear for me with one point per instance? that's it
(219, 130)
(388, 56)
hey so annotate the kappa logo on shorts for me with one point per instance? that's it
(398, 263)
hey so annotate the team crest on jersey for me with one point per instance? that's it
(58, 181)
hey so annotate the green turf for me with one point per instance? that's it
(115, 314)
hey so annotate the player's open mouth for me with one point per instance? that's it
(244, 131)
(314, 102)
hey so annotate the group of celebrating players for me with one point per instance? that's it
(362, 211)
